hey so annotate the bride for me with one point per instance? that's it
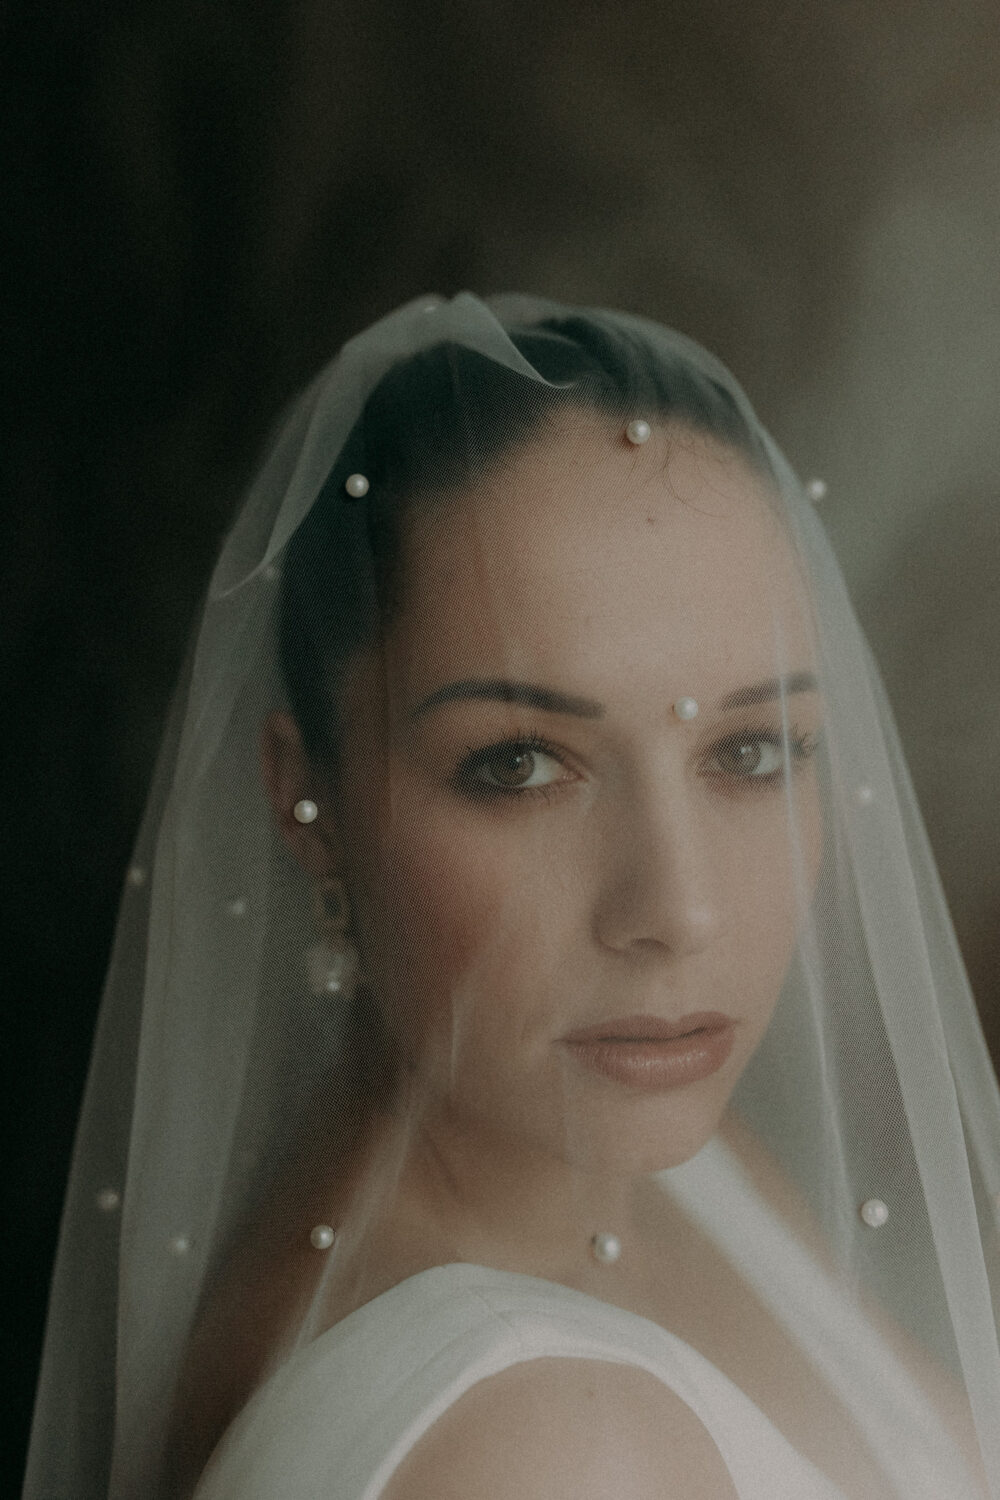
(623, 1126)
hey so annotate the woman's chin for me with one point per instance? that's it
(638, 1148)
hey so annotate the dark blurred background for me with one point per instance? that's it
(203, 198)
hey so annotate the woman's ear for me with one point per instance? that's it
(291, 781)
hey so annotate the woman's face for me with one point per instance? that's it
(536, 844)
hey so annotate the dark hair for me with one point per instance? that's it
(436, 422)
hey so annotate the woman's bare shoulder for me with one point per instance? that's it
(565, 1429)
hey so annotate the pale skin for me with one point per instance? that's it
(636, 868)
(631, 884)
(643, 872)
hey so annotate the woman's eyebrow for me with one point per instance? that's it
(549, 700)
(773, 687)
(501, 690)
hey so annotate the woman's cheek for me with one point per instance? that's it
(440, 892)
(765, 901)
(484, 924)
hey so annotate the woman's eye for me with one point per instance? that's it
(759, 757)
(515, 768)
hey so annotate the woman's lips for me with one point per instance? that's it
(647, 1052)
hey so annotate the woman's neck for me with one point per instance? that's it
(456, 1193)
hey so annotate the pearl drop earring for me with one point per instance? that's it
(332, 964)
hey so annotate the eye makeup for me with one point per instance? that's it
(527, 764)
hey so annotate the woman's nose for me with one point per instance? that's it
(659, 887)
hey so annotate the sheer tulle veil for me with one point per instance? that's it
(215, 1061)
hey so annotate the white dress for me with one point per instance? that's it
(339, 1416)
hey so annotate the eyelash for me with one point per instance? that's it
(518, 744)
(800, 749)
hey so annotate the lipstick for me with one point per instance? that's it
(648, 1053)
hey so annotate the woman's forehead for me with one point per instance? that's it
(600, 560)
(588, 497)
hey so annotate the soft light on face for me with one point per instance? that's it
(537, 842)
